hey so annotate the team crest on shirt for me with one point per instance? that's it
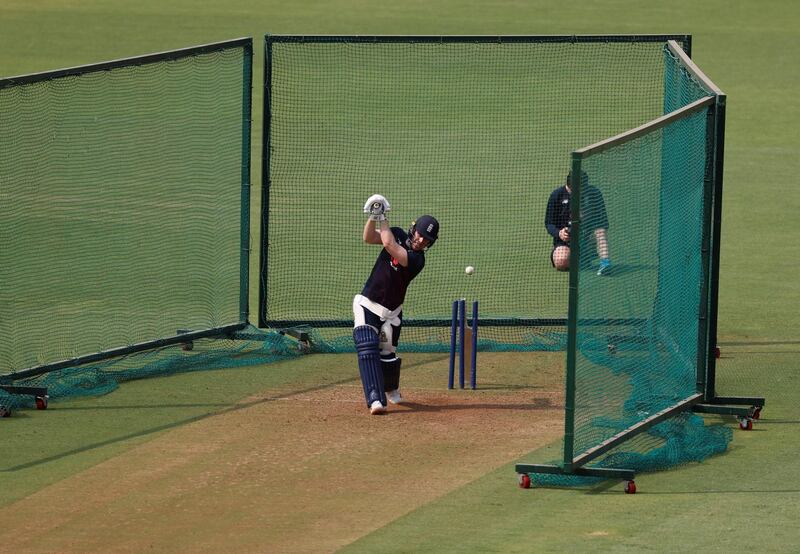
(395, 264)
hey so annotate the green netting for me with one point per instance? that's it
(640, 344)
(681, 88)
(437, 339)
(474, 132)
(769, 365)
(678, 440)
(249, 347)
(652, 188)
(120, 195)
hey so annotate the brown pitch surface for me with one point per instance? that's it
(285, 472)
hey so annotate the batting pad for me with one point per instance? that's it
(369, 364)
(391, 374)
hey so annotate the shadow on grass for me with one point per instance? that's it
(221, 408)
(506, 387)
(139, 407)
(611, 486)
(707, 491)
(536, 404)
(159, 428)
(101, 444)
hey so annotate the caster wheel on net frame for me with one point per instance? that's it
(630, 487)
(41, 402)
(187, 346)
(756, 413)
(745, 424)
(5, 412)
(524, 481)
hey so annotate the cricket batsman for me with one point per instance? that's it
(378, 310)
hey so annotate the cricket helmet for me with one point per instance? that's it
(427, 227)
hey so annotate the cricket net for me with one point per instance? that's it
(124, 207)
(641, 338)
(472, 130)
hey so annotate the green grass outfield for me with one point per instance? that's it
(745, 500)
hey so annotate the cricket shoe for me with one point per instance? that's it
(377, 408)
(394, 396)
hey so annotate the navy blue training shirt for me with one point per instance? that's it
(557, 215)
(388, 282)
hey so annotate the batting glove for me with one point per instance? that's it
(376, 204)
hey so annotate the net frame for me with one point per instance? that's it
(181, 336)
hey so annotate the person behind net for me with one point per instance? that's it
(594, 221)
(378, 310)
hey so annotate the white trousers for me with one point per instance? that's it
(385, 322)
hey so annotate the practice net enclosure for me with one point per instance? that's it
(121, 205)
(472, 130)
